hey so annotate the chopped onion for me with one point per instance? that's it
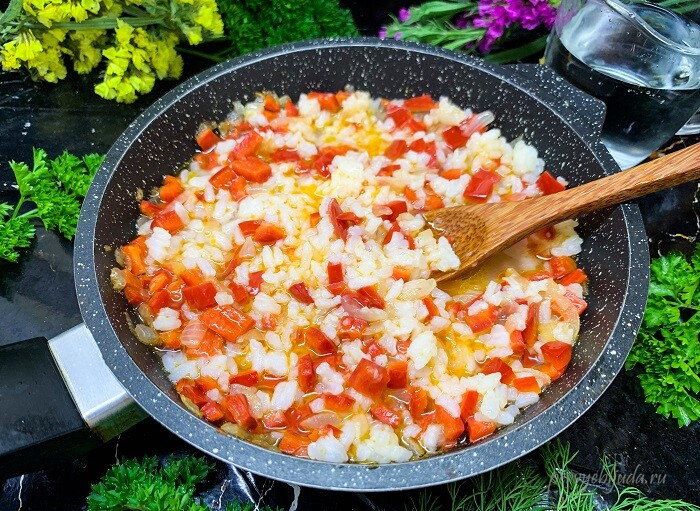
(381, 210)
(117, 278)
(319, 420)
(120, 257)
(146, 335)
(417, 289)
(146, 314)
(193, 333)
(356, 309)
(247, 249)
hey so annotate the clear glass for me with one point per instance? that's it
(641, 60)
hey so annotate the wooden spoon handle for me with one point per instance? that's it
(671, 170)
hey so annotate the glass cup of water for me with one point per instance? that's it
(642, 60)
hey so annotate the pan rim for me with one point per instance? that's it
(428, 471)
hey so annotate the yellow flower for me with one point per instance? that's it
(123, 32)
(208, 17)
(48, 66)
(28, 46)
(85, 53)
(54, 13)
(193, 34)
(8, 56)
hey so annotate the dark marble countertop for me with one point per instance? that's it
(37, 298)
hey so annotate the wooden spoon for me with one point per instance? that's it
(478, 231)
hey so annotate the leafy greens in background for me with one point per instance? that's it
(519, 486)
(56, 188)
(150, 486)
(667, 349)
(256, 24)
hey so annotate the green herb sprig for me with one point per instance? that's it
(667, 348)
(147, 485)
(56, 188)
(520, 486)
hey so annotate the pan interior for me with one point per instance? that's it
(161, 141)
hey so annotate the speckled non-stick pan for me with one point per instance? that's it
(528, 101)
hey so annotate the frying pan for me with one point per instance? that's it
(114, 386)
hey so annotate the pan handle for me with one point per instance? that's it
(59, 400)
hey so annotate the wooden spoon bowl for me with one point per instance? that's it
(477, 231)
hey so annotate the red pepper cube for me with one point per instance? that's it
(369, 379)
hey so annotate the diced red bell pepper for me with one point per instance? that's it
(168, 220)
(374, 350)
(336, 278)
(207, 161)
(238, 187)
(227, 321)
(483, 319)
(561, 266)
(397, 207)
(385, 415)
(134, 259)
(351, 327)
(255, 280)
(401, 273)
(517, 343)
(579, 303)
(247, 145)
(454, 138)
(314, 219)
(326, 100)
(398, 374)
(135, 295)
(478, 429)
(206, 139)
(497, 365)
(240, 293)
(557, 353)
(306, 376)
(192, 277)
(290, 109)
(301, 293)
(527, 384)
(396, 149)
(481, 185)
(388, 170)
(275, 419)
(270, 103)
(403, 119)
(317, 342)
(432, 201)
(248, 227)
(395, 228)
(210, 345)
(285, 155)
(468, 406)
(410, 194)
(159, 280)
(450, 174)
(548, 183)
(334, 212)
(418, 403)
(149, 209)
(268, 233)
(578, 276)
(338, 403)
(252, 168)
(452, 426)
(236, 407)
(294, 443)
(189, 389)
(247, 379)
(158, 300)
(369, 379)
(370, 297)
(532, 325)
(200, 296)
(172, 187)
(432, 308)
(422, 103)
(212, 411)
(223, 178)
(551, 371)
(207, 383)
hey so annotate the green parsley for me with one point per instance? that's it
(667, 348)
(150, 486)
(255, 24)
(56, 188)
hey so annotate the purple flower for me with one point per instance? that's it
(404, 14)
(382, 33)
(498, 15)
